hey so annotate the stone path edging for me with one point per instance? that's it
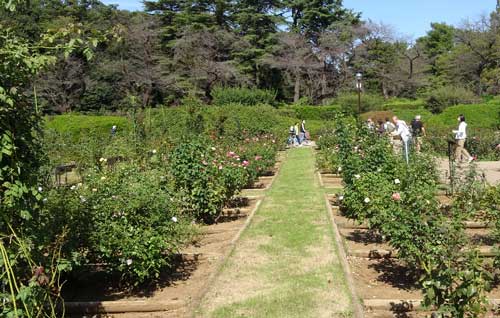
(356, 304)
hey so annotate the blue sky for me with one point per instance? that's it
(408, 17)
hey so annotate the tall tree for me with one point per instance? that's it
(311, 17)
(294, 55)
(255, 23)
(476, 51)
(438, 41)
(176, 16)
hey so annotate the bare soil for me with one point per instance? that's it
(491, 169)
(329, 180)
(182, 284)
(380, 278)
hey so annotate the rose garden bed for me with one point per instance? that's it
(386, 287)
(178, 289)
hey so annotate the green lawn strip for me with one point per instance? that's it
(285, 264)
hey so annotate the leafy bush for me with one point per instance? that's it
(349, 102)
(398, 201)
(238, 122)
(243, 96)
(476, 115)
(315, 112)
(396, 104)
(443, 97)
(78, 124)
(124, 219)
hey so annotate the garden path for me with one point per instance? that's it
(491, 169)
(286, 263)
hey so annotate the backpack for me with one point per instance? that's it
(389, 127)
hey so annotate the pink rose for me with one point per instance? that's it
(396, 196)
(245, 163)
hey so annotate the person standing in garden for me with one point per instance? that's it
(403, 132)
(460, 136)
(388, 126)
(298, 138)
(417, 131)
(380, 128)
(304, 135)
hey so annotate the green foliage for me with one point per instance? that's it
(441, 98)
(78, 125)
(398, 201)
(397, 104)
(349, 102)
(313, 112)
(244, 96)
(31, 278)
(133, 226)
(476, 115)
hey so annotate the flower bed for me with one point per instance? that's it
(397, 202)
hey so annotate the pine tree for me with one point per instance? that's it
(311, 17)
(256, 22)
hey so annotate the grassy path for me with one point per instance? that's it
(285, 264)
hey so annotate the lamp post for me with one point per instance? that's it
(359, 77)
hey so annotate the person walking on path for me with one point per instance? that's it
(418, 132)
(403, 132)
(460, 136)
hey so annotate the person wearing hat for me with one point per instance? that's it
(417, 132)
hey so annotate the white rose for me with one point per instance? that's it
(73, 187)
(357, 176)
(129, 262)
(341, 197)
(154, 151)
(339, 169)
(40, 189)
(103, 178)
(174, 219)
(367, 200)
(397, 181)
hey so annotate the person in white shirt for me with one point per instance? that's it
(402, 131)
(460, 136)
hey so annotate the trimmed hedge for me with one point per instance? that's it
(403, 103)
(311, 112)
(477, 116)
(74, 124)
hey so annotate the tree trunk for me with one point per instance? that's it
(384, 91)
(296, 95)
(323, 84)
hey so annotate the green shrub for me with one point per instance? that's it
(77, 125)
(403, 103)
(124, 219)
(314, 112)
(476, 115)
(349, 102)
(443, 97)
(236, 121)
(409, 114)
(244, 96)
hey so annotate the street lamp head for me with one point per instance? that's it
(359, 76)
